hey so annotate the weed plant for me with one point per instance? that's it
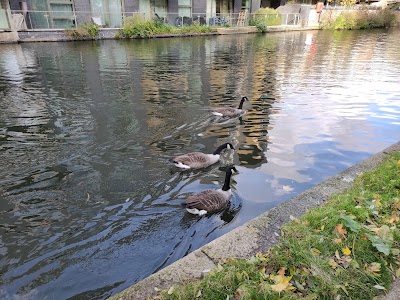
(83, 31)
(349, 248)
(265, 17)
(362, 19)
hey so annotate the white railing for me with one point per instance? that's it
(71, 19)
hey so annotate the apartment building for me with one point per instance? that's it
(111, 13)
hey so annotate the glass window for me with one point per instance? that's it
(185, 8)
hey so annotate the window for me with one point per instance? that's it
(185, 8)
(246, 4)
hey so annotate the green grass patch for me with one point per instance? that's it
(138, 27)
(349, 248)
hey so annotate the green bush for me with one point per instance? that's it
(265, 17)
(85, 30)
(363, 19)
(137, 26)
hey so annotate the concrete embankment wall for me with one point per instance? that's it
(258, 235)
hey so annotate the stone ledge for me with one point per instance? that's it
(8, 37)
(259, 234)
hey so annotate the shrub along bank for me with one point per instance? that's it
(137, 26)
(349, 248)
(359, 19)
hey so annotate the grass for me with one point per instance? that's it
(138, 27)
(349, 248)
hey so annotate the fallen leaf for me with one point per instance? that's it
(337, 241)
(279, 287)
(346, 251)
(333, 263)
(340, 230)
(379, 287)
(393, 218)
(374, 269)
(198, 294)
(350, 223)
(315, 251)
(282, 271)
(171, 290)
(395, 251)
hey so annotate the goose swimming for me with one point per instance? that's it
(198, 160)
(209, 201)
(230, 111)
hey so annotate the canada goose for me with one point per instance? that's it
(229, 111)
(197, 160)
(209, 201)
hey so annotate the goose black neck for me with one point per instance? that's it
(226, 186)
(241, 103)
(219, 149)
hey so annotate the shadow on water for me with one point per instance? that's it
(89, 202)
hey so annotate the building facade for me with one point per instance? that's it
(111, 13)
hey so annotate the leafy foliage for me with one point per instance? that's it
(137, 26)
(363, 19)
(85, 30)
(347, 249)
(265, 17)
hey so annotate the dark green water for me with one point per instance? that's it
(88, 202)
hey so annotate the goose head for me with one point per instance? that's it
(222, 147)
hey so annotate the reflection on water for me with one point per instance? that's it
(88, 202)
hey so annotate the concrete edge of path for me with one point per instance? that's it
(257, 235)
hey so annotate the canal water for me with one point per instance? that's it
(89, 203)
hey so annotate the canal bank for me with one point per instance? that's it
(258, 235)
(59, 35)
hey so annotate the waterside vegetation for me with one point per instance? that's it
(83, 31)
(138, 27)
(265, 17)
(349, 248)
(361, 19)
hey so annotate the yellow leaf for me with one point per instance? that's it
(374, 269)
(333, 263)
(315, 251)
(398, 163)
(198, 294)
(337, 241)
(346, 251)
(279, 287)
